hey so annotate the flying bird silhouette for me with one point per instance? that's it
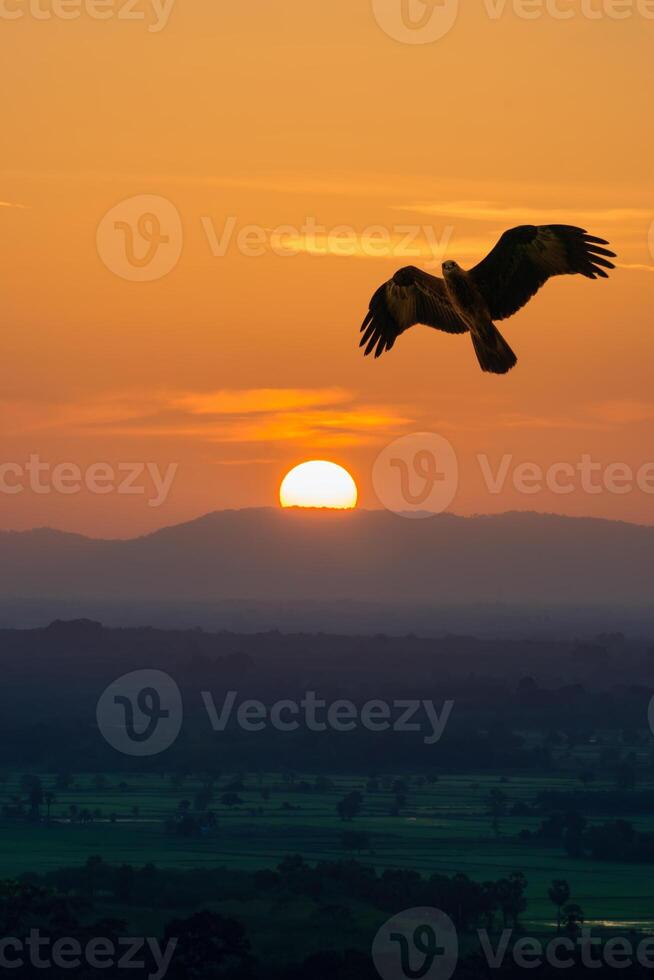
(468, 302)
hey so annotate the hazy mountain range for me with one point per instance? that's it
(326, 557)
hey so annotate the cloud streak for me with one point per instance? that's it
(318, 418)
(492, 211)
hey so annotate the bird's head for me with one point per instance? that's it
(449, 268)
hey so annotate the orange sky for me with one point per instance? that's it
(237, 366)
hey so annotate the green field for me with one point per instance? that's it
(444, 827)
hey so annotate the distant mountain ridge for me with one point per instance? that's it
(363, 556)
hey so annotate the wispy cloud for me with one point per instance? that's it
(320, 427)
(258, 461)
(624, 411)
(493, 211)
(636, 266)
(421, 186)
(321, 417)
(25, 416)
(254, 400)
(601, 416)
(516, 420)
(373, 242)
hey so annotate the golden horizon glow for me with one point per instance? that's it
(292, 203)
(319, 483)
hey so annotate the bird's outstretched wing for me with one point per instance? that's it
(526, 257)
(410, 297)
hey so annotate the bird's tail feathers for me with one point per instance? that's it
(493, 352)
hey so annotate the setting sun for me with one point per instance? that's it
(318, 484)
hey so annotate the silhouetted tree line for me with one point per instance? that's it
(469, 903)
(614, 840)
(499, 690)
(210, 945)
(598, 802)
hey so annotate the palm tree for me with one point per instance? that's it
(497, 801)
(573, 918)
(49, 799)
(559, 895)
